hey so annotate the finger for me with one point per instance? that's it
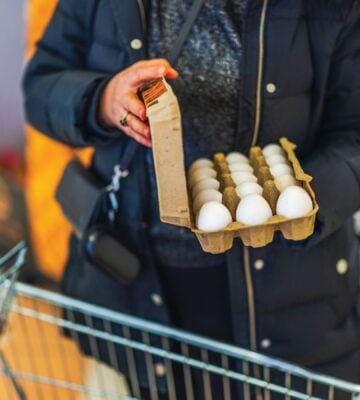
(134, 123)
(170, 72)
(133, 104)
(137, 136)
(153, 62)
(139, 76)
(138, 126)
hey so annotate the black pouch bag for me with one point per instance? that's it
(84, 201)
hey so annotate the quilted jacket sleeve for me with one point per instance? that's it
(61, 96)
(335, 165)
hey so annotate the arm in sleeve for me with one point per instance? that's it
(335, 164)
(61, 96)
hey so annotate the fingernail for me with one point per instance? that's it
(161, 71)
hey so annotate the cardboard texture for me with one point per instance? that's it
(174, 200)
(165, 122)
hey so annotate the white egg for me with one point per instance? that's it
(272, 149)
(207, 183)
(202, 171)
(204, 197)
(236, 157)
(241, 177)
(199, 174)
(243, 167)
(294, 202)
(213, 217)
(283, 181)
(247, 188)
(253, 210)
(200, 163)
(276, 159)
(281, 169)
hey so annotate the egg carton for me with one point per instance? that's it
(261, 235)
(175, 202)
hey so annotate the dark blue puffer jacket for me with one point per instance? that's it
(301, 80)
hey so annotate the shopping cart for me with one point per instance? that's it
(42, 355)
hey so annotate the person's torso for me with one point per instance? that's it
(282, 89)
(283, 64)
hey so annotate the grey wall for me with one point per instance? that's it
(11, 66)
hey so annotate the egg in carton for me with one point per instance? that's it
(217, 186)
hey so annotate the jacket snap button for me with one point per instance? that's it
(160, 370)
(259, 264)
(136, 44)
(271, 88)
(342, 267)
(157, 299)
(265, 343)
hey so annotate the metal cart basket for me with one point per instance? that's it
(43, 355)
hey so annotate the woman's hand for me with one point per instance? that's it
(119, 100)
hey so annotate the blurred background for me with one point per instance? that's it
(30, 163)
(12, 47)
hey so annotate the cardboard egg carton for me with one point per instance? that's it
(174, 198)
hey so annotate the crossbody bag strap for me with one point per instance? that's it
(122, 169)
(185, 30)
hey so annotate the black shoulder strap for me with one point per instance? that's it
(194, 11)
(185, 30)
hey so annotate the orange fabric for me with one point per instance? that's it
(45, 162)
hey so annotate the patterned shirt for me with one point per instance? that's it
(207, 89)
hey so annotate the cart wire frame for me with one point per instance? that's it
(242, 374)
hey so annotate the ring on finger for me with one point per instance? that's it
(123, 121)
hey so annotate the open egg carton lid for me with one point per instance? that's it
(164, 116)
(174, 200)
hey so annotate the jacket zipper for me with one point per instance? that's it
(248, 277)
(260, 73)
(246, 255)
(142, 15)
(251, 301)
(252, 318)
